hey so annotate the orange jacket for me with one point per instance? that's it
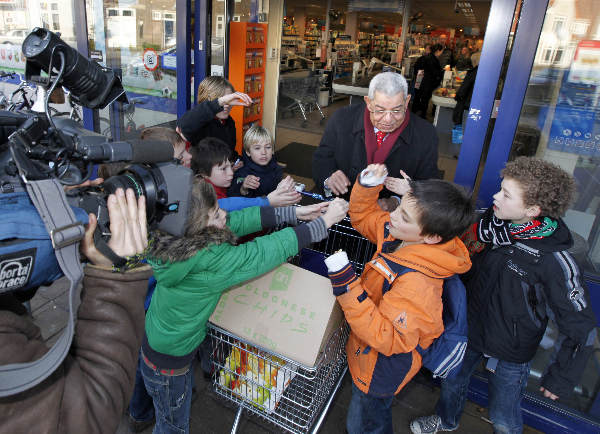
(386, 328)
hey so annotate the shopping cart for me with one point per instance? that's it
(300, 94)
(278, 390)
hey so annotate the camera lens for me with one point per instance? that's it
(144, 180)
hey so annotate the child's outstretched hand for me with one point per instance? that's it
(398, 185)
(285, 194)
(251, 182)
(311, 212)
(336, 211)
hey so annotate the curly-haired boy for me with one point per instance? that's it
(522, 275)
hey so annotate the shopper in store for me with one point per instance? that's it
(210, 117)
(522, 276)
(465, 91)
(380, 131)
(463, 62)
(432, 74)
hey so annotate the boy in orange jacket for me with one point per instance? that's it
(389, 317)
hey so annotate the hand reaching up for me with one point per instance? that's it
(398, 185)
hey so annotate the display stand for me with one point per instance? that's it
(247, 57)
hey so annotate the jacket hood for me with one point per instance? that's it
(560, 240)
(169, 254)
(435, 260)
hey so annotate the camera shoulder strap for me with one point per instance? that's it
(65, 233)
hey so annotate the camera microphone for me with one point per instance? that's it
(132, 151)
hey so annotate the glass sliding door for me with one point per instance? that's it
(137, 37)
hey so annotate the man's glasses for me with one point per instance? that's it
(398, 113)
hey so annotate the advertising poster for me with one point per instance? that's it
(575, 126)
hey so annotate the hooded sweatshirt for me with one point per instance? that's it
(386, 328)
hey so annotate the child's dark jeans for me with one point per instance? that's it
(369, 415)
(505, 389)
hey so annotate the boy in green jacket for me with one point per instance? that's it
(193, 271)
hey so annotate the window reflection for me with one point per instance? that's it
(560, 122)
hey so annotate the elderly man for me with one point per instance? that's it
(382, 131)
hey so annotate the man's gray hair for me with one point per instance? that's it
(389, 83)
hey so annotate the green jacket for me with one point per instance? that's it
(192, 274)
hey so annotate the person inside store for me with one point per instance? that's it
(380, 131)
(427, 80)
(522, 275)
(90, 389)
(210, 117)
(465, 91)
(463, 62)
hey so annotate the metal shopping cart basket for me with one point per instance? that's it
(300, 93)
(281, 391)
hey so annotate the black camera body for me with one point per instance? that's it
(35, 146)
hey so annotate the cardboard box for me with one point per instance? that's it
(288, 311)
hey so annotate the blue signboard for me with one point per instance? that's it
(575, 127)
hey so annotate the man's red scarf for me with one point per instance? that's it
(221, 191)
(378, 155)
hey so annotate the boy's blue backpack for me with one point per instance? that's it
(445, 355)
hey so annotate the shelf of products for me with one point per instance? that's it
(346, 53)
(312, 39)
(247, 58)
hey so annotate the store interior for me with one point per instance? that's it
(329, 52)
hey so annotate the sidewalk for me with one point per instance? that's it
(211, 414)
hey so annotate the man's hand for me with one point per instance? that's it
(548, 394)
(336, 211)
(398, 185)
(311, 212)
(251, 182)
(129, 232)
(338, 183)
(236, 98)
(285, 194)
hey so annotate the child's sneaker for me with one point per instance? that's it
(428, 425)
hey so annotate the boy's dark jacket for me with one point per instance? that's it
(513, 290)
(200, 122)
(270, 175)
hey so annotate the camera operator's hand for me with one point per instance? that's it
(336, 211)
(311, 212)
(285, 194)
(129, 232)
